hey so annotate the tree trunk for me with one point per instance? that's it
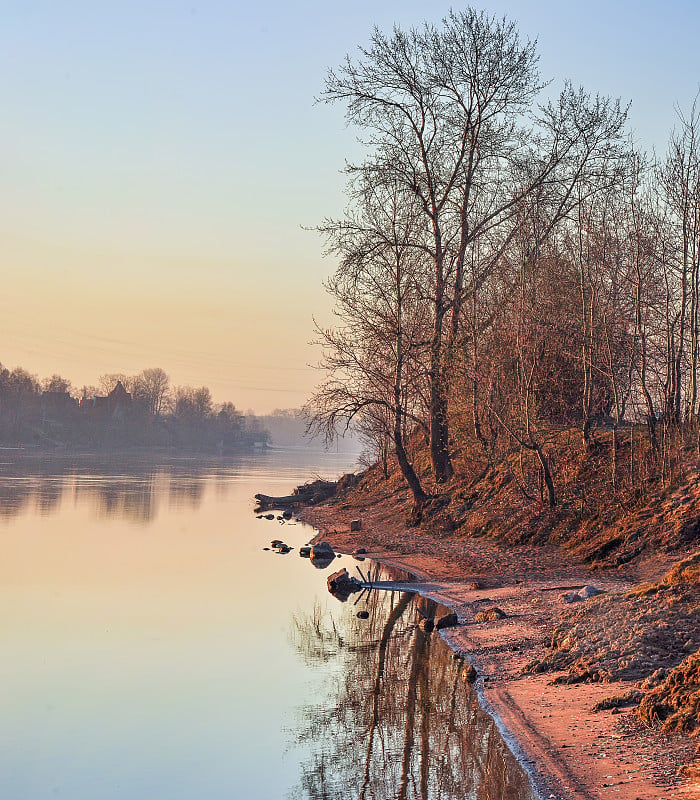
(547, 475)
(476, 420)
(409, 474)
(419, 495)
(439, 426)
(641, 334)
(678, 364)
(439, 434)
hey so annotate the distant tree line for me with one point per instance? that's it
(506, 269)
(121, 412)
(288, 428)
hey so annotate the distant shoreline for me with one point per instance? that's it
(34, 454)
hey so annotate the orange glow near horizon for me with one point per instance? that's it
(230, 329)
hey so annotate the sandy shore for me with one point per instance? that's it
(572, 751)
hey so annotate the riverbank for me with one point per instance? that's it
(510, 602)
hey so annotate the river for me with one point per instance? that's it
(152, 648)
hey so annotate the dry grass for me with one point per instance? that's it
(649, 635)
(675, 703)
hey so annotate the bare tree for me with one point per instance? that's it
(449, 111)
(373, 356)
(192, 404)
(440, 106)
(151, 386)
(678, 178)
(642, 246)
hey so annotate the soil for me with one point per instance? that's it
(564, 673)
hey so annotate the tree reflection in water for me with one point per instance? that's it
(394, 719)
(116, 488)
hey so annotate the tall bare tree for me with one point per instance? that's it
(372, 357)
(449, 110)
(678, 178)
(440, 106)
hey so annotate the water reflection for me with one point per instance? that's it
(186, 491)
(123, 489)
(160, 665)
(48, 496)
(129, 498)
(149, 662)
(396, 720)
(15, 496)
(132, 487)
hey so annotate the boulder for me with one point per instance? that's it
(341, 585)
(322, 554)
(447, 621)
(571, 597)
(322, 550)
(589, 591)
(356, 525)
(469, 674)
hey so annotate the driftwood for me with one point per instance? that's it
(307, 495)
(266, 501)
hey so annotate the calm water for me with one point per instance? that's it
(153, 649)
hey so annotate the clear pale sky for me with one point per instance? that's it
(159, 159)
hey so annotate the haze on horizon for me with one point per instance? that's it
(160, 160)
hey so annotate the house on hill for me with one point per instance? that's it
(113, 406)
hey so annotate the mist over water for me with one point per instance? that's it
(153, 648)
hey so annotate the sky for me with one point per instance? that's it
(161, 164)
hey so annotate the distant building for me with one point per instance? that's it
(113, 406)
